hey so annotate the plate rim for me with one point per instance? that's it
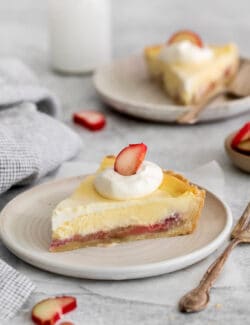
(119, 102)
(111, 272)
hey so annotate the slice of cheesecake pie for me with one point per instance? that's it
(127, 199)
(189, 70)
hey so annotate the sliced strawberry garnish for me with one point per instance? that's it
(48, 311)
(186, 35)
(243, 135)
(92, 120)
(130, 158)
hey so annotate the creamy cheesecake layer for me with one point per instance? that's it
(144, 213)
(172, 226)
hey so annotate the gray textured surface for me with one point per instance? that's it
(136, 23)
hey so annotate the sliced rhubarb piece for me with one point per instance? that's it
(186, 35)
(130, 159)
(243, 135)
(50, 310)
(91, 120)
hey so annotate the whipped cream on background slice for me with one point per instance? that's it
(185, 52)
(113, 185)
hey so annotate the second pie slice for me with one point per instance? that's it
(188, 70)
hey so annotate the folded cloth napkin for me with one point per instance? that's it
(15, 288)
(31, 143)
(18, 84)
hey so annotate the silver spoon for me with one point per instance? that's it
(198, 298)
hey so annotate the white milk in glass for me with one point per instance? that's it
(80, 34)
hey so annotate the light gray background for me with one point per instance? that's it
(23, 34)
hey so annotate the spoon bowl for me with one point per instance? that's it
(194, 301)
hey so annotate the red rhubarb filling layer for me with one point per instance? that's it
(122, 232)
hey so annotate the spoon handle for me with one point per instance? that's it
(192, 115)
(198, 298)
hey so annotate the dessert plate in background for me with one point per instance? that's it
(127, 88)
(25, 229)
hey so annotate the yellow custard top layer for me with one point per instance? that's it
(152, 52)
(172, 183)
(223, 55)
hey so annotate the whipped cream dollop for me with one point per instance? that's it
(113, 185)
(185, 52)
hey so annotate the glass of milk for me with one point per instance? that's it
(80, 34)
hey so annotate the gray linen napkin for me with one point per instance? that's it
(18, 84)
(31, 144)
(15, 289)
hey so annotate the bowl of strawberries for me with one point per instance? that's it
(237, 146)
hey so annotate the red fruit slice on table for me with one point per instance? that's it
(186, 35)
(130, 159)
(92, 120)
(50, 310)
(242, 137)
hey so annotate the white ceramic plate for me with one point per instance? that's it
(127, 88)
(25, 230)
